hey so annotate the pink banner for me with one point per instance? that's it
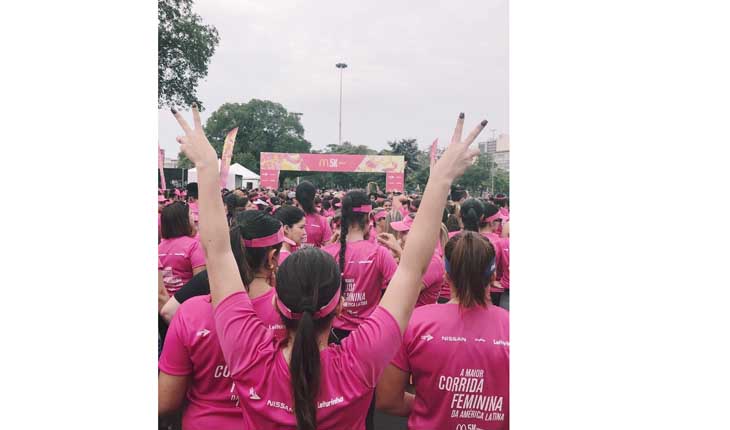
(161, 166)
(269, 179)
(434, 146)
(394, 181)
(226, 155)
(332, 162)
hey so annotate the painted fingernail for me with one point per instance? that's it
(484, 123)
(195, 105)
(461, 115)
(172, 109)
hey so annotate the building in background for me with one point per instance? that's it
(498, 148)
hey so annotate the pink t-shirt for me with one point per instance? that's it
(349, 371)
(192, 348)
(177, 259)
(459, 359)
(318, 230)
(433, 279)
(368, 270)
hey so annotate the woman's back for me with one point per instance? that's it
(349, 371)
(459, 359)
(177, 259)
(368, 269)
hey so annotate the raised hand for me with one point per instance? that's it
(390, 241)
(458, 157)
(194, 144)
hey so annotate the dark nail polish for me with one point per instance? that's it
(461, 115)
(484, 123)
(195, 105)
(172, 109)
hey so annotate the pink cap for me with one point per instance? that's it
(404, 225)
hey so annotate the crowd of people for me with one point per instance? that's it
(308, 309)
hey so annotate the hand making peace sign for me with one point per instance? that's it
(194, 144)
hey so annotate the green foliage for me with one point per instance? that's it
(184, 48)
(476, 178)
(263, 126)
(408, 148)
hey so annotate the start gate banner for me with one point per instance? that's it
(332, 162)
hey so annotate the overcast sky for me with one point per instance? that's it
(411, 67)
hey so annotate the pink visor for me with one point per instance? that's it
(363, 209)
(263, 242)
(380, 215)
(494, 217)
(324, 311)
(161, 199)
(404, 225)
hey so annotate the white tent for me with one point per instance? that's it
(238, 176)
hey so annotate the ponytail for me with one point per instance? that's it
(344, 225)
(239, 254)
(305, 372)
(305, 291)
(472, 212)
(469, 258)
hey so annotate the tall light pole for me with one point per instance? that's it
(341, 66)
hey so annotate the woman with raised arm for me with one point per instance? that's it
(457, 353)
(301, 382)
(192, 366)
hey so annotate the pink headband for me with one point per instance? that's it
(263, 242)
(363, 209)
(379, 215)
(494, 217)
(324, 311)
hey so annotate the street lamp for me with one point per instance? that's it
(341, 66)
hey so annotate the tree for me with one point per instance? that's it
(184, 48)
(263, 126)
(408, 148)
(477, 177)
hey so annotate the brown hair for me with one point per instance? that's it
(175, 221)
(469, 257)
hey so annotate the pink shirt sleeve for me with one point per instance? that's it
(386, 264)
(326, 230)
(371, 346)
(175, 357)
(241, 333)
(197, 256)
